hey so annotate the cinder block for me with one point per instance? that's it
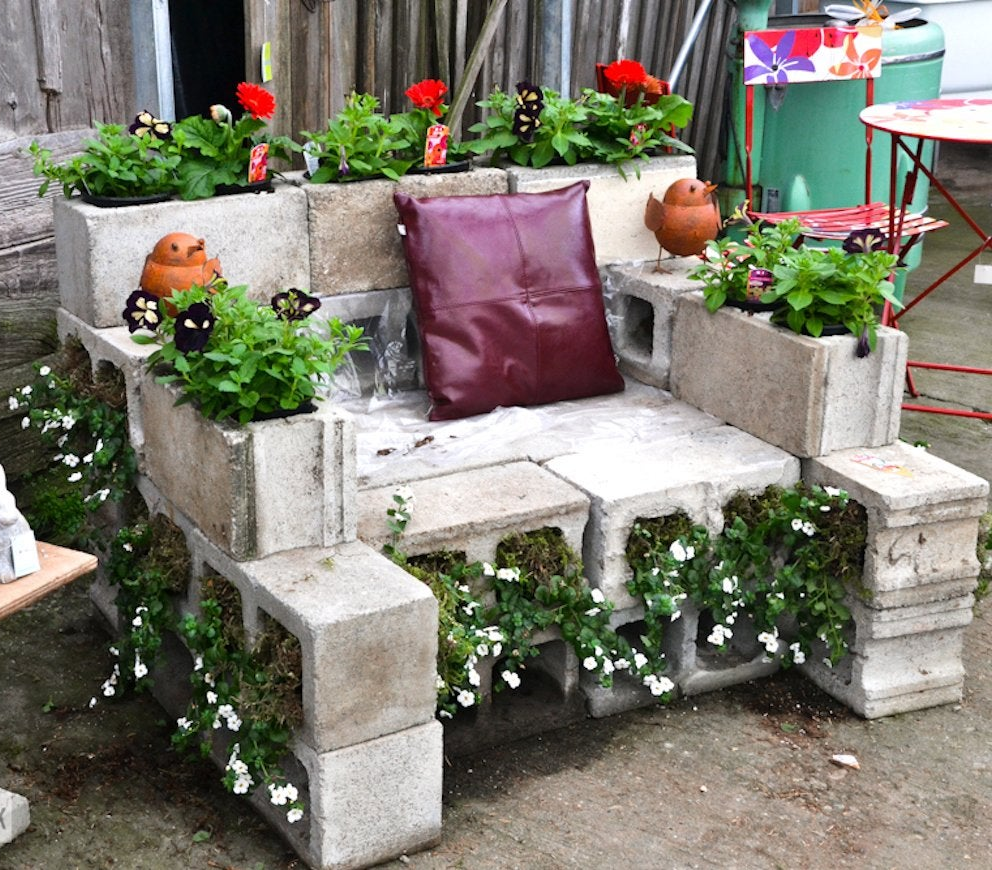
(809, 396)
(15, 815)
(368, 632)
(354, 243)
(923, 516)
(256, 489)
(640, 311)
(260, 240)
(375, 800)
(472, 511)
(696, 474)
(616, 204)
(892, 675)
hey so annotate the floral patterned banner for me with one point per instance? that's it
(813, 54)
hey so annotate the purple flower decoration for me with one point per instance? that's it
(774, 64)
(864, 345)
(294, 304)
(193, 327)
(863, 241)
(141, 311)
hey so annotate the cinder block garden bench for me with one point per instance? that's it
(710, 409)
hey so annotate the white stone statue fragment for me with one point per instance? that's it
(12, 525)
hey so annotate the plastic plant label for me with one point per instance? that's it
(24, 552)
(983, 273)
(258, 163)
(266, 62)
(436, 149)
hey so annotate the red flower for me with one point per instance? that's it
(626, 73)
(257, 100)
(428, 94)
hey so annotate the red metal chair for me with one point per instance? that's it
(816, 55)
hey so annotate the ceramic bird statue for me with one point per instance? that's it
(177, 262)
(685, 219)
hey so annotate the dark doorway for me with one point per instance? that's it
(208, 53)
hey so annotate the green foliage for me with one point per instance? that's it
(727, 264)
(82, 419)
(115, 163)
(255, 363)
(786, 560)
(984, 554)
(213, 153)
(822, 286)
(360, 142)
(254, 692)
(538, 586)
(594, 128)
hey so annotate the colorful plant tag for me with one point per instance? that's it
(436, 148)
(759, 281)
(258, 163)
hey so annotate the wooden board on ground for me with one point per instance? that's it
(59, 566)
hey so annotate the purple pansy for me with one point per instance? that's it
(193, 327)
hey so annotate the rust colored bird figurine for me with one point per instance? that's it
(177, 262)
(685, 219)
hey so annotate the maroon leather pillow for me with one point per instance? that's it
(508, 299)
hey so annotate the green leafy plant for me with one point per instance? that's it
(740, 271)
(785, 562)
(538, 585)
(235, 358)
(361, 142)
(82, 418)
(596, 127)
(217, 150)
(116, 163)
(249, 694)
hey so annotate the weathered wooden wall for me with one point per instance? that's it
(64, 65)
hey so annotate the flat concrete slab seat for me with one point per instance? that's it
(396, 444)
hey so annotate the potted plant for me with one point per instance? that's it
(237, 359)
(738, 273)
(536, 127)
(222, 155)
(359, 142)
(120, 166)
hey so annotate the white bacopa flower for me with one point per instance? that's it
(291, 791)
(209, 679)
(13, 404)
(129, 547)
(640, 660)
(796, 524)
(71, 460)
(770, 641)
(511, 575)
(277, 795)
(44, 371)
(731, 618)
(473, 678)
(590, 663)
(92, 702)
(114, 651)
(831, 491)
(140, 668)
(497, 648)
(593, 611)
(809, 529)
(482, 650)
(488, 570)
(184, 723)
(466, 698)
(678, 551)
(136, 622)
(26, 391)
(294, 815)
(608, 666)
(621, 664)
(597, 595)
(25, 422)
(75, 477)
(825, 508)
(729, 585)
(242, 784)
(87, 459)
(720, 635)
(211, 698)
(68, 421)
(198, 661)
(798, 656)
(511, 679)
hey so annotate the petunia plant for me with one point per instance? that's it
(221, 150)
(237, 359)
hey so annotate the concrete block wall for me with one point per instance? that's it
(920, 573)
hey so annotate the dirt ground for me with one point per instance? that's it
(736, 779)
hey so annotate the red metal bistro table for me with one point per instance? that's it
(943, 121)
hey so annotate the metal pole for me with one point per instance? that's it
(690, 40)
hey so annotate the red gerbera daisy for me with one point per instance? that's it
(257, 100)
(428, 94)
(626, 73)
